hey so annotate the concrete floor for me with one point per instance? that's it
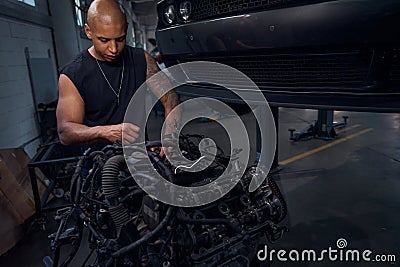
(348, 189)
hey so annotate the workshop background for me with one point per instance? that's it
(345, 187)
(37, 37)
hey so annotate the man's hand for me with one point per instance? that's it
(164, 149)
(168, 149)
(130, 131)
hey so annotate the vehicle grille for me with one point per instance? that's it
(205, 9)
(307, 70)
(394, 74)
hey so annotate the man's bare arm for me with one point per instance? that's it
(70, 114)
(159, 86)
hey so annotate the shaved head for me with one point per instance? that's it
(106, 26)
(105, 12)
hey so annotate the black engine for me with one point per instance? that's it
(128, 227)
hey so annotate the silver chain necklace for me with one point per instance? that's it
(120, 83)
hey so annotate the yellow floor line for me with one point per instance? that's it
(345, 129)
(318, 149)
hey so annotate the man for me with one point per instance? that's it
(96, 87)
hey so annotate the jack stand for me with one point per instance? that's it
(324, 128)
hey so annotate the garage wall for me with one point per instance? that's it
(18, 126)
(150, 33)
(47, 29)
(66, 34)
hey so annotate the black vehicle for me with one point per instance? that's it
(342, 54)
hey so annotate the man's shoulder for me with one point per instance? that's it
(75, 64)
(135, 55)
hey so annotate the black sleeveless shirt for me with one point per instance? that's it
(101, 105)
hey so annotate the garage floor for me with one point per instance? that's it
(349, 190)
(344, 188)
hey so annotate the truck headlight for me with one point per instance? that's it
(169, 14)
(185, 10)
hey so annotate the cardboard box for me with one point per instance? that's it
(11, 226)
(16, 198)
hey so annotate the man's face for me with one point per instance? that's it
(108, 39)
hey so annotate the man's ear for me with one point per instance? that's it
(88, 31)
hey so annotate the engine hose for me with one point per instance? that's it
(96, 157)
(133, 193)
(275, 189)
(110, 187)
(74, 178)
(167, 171)
(88, 178)
(56, 257)
(169, 238)
(112, 148)
(78, 189)
(76, 245)
(228, 223)
(151, 144)
(153, 234)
